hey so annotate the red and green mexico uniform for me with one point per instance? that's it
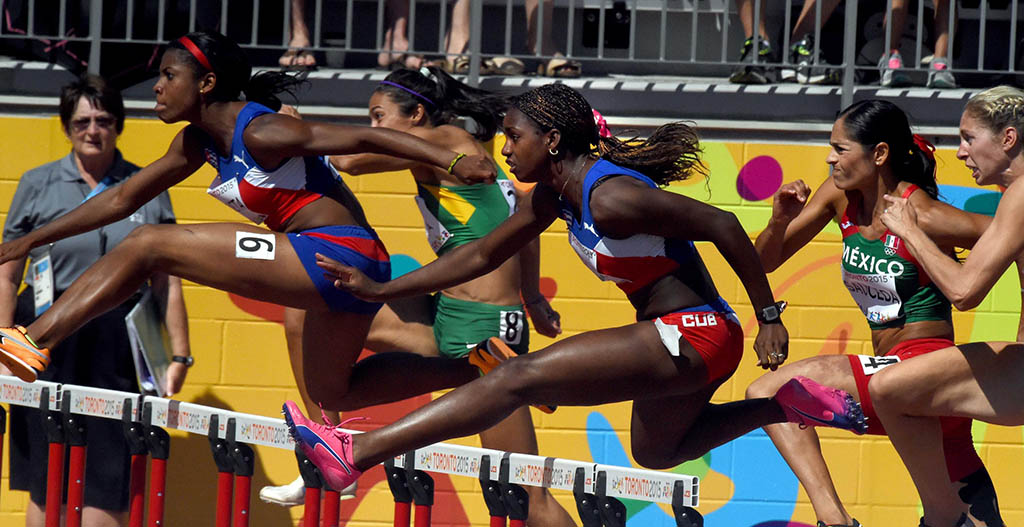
(892, 290)
(454, 216)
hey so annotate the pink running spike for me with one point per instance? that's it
(327, 446)
(808, 403)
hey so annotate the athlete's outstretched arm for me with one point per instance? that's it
(460, 264)
(273, 138)
(965, 285)
(796, 220)
(624, 206)
(183, 157)
(546, 320)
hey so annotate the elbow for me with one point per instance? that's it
(346, 165)
(966, 302)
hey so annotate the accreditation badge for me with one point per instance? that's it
(42, 281)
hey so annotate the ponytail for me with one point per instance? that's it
(444, 99)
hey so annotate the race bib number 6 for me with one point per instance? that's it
(254, 245)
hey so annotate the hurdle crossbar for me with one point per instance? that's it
(443, 458)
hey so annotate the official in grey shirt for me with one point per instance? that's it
(98, 354)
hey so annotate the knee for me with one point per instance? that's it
(143, 243)
(765, 386)
(517, 376)
(883, 388)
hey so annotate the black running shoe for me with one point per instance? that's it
(754, 72)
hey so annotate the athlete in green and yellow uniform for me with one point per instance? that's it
(421, 343)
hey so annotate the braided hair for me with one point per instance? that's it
(207, 51)
(444, 99)
(874, 121)
(671, 153)
(999, 108)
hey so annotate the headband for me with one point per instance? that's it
(195, 51)
(417, 94)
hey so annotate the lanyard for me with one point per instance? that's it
(103, 185)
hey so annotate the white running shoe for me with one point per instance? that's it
(294, 493)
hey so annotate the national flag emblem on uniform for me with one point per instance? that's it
(892, 244)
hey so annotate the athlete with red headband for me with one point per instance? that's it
(874, 153)
(273, 170)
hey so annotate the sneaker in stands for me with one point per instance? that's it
(810, 64)
(939, 75)
(891, 68)
(327, 446)
(294, 493)
(753, 71)
(488, 354)
(808, 403)
(21, 355)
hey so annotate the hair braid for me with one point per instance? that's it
(671, 153)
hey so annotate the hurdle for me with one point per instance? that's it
(597, 488)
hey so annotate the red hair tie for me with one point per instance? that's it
(602, 125)
(195, 51)
(925, 146)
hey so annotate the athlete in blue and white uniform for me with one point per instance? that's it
(271, 169)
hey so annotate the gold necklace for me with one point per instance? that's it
(575, 172)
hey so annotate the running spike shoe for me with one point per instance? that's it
(488, 354)
(294, 493)
(21, 355)
(808, 403)
(964, 521)
(327, 446)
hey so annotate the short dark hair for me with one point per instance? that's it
(97, 92)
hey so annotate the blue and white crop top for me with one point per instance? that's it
(632, 262)
(261, 195)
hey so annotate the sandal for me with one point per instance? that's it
(459, 65)
(507, 66)
(561, 67)
(297, 59)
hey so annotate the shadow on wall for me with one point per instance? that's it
(192, 481)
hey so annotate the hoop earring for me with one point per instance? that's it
(552, 151)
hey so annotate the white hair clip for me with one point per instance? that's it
(426, 73)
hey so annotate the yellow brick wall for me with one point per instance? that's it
(242, 364)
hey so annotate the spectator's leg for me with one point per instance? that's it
(899, 22)
(939, 75)
(458, 32)
(541, 41)
(805, 21)
(745, 8)
(396, 41)
(297, 55)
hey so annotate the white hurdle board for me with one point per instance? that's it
(444, 458)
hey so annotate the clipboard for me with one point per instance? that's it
(150, 343)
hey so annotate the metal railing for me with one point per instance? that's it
(680, 37)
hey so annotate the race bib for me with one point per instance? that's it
(511, 326)
(875, 294)
(229, 194)
(42, 282)
(508, 189)
(437, 235)
(872, 364)
(255, 246)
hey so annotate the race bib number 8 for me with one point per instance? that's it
(254, 245)
(512, 326)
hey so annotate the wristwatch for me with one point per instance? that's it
(772, 313)
(187, 361)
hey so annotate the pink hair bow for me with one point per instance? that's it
(602, 125)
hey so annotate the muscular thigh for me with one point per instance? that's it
(608, 365)
(207, 254)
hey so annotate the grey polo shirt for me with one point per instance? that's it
(54, 189)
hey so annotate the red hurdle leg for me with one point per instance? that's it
(311, 512)
(157, 491)
(243, 486)
(331, 509)
(225, 482)
(423, 515)
(137, 490)
(76, 486)
(54, 484)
